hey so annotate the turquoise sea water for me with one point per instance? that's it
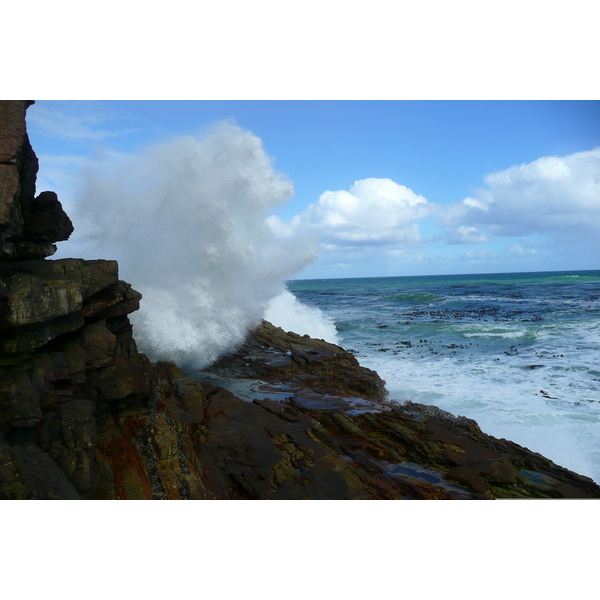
(517, 352)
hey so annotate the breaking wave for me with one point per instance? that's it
(287, 312)
(185, 218)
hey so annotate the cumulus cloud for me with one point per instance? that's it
(373, 212)
(550, 194)
(550, 207)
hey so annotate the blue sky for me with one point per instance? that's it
(530, 168)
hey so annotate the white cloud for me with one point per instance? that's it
(373, 212)
(518, 250)
(549, 195)
(475, 203)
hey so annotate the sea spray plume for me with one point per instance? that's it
(286, 311)
(185, 218)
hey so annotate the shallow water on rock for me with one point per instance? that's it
(415, 471)
(245, 389)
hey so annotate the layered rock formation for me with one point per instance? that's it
(84, 415)
(66, 347)
(28, 224)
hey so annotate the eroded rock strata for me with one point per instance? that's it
(83, 414)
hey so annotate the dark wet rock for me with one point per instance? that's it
(340, 445)
(290, 449)
(66, 345)
(272, 354)
(68, 435)
(30, 473)
(47, 221)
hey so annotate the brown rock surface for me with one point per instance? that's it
(12, 128)
(271, 354)
(28, 224)
(336, 446)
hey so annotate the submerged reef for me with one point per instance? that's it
(84, 415)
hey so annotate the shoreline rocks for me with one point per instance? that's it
(367, 448)
(272, 354)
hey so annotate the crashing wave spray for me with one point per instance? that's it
(186, 221)
(286, 311)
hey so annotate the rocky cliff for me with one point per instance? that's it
(84, 415)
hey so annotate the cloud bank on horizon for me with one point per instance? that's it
(524, 212)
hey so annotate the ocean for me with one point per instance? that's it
(517, 352)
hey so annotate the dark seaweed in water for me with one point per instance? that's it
(485, 313)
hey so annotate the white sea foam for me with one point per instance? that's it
(287, 312)
(535, 382)
(185, 218)
(505, 397)
(505, 334)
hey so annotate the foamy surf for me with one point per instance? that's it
(517, 353)
(287, 312)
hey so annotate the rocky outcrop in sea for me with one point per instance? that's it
(84, 415)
